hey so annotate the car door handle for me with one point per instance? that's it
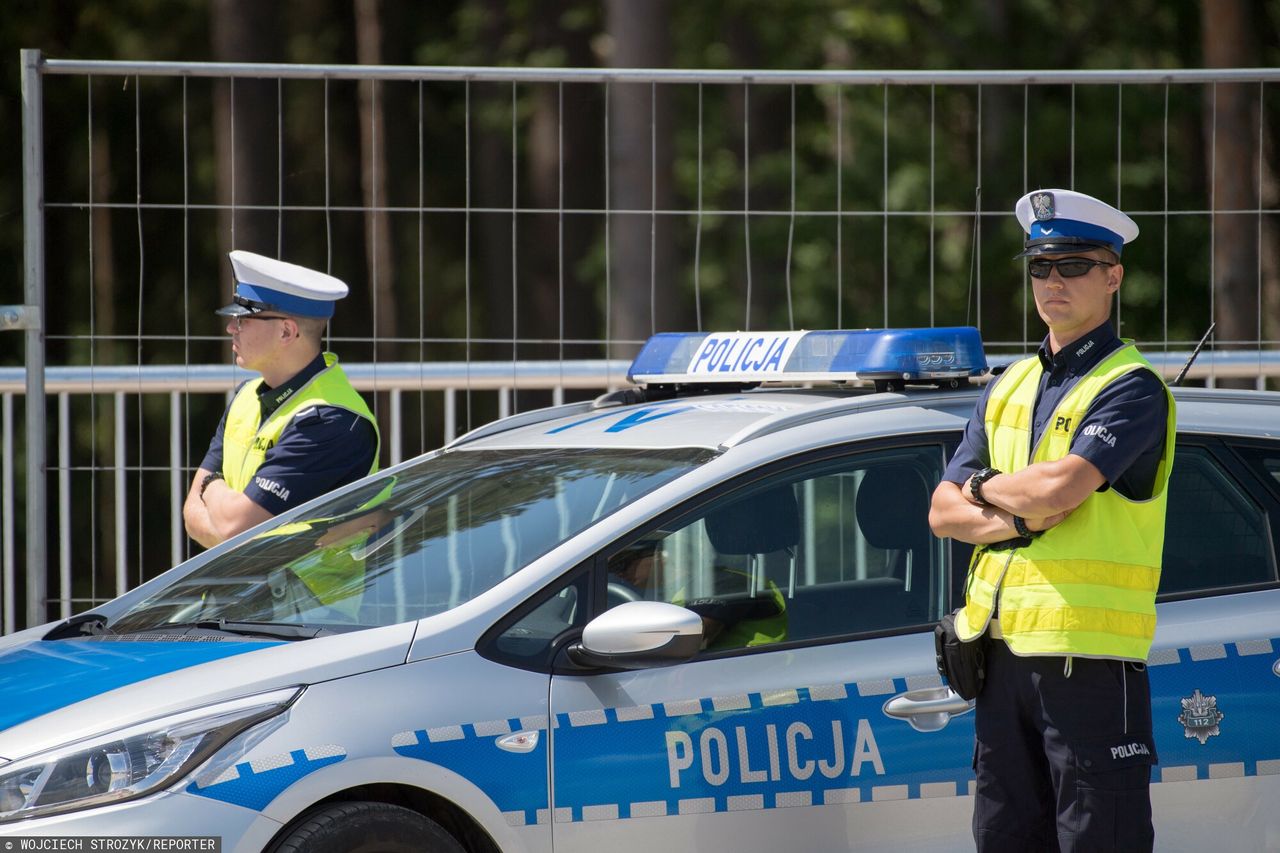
(928, 709)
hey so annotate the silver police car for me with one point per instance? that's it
(695, 614)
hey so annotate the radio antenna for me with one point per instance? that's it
(1195, 352)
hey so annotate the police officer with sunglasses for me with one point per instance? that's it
(1060, 484)
(297, 431)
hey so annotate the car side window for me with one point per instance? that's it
(834, 548)
(1218, 534)
(529, 639)
(1264, 461)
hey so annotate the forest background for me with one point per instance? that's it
(445, 286)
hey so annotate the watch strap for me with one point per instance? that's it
(209, 478)
(1008, 544)
(975, 484)
(1020, 525)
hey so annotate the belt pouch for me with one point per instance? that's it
(961, 664)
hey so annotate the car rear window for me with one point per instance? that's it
(1220, 531)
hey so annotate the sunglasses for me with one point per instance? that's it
(1067, 267)
(239, 320)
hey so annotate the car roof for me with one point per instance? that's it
(708, 421)
(1226, 411)
(723, 420)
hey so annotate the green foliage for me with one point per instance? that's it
(861, 149)
(883, 180)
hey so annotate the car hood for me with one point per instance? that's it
(59, 691)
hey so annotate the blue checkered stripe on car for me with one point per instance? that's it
(615, 763)
(515, 781)
(806, 746)
(1239, 681)
(821, 745)
(254, 784)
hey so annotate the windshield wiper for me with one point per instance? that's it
(83, 625)
(245, 629)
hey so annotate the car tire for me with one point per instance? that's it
(366, 827)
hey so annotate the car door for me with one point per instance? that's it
(1215, 664)
(813, 718)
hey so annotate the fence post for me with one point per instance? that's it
(9, 584)
(33, 252)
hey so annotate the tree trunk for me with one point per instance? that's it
(767, 111)
(105, 351)
(491, 163)
(644, 291)
(1229, 40)
(1002, 305)
(373, 182)
(563, 168)
(245, 31)
(104, 265)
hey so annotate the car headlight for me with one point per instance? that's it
(129, 762)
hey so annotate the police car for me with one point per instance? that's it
(694, 614)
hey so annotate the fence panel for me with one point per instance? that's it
(515, 233)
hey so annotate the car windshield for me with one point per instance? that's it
(412, 544)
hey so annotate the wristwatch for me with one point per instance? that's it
(1020, 525)
(208, 478)
(975, 484)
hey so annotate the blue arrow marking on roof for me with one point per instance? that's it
(632, 419)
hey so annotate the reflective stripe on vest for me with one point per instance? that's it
(245, 442)
(1086, 587)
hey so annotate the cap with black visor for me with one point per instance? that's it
(265, 284)
(1058, 222)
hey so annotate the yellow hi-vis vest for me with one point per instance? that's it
(1086, 587)
(245, 441)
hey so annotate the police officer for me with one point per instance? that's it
(298, 431)
(1060, 483)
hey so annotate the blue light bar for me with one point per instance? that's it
(889, 355)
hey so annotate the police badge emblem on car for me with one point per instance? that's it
(1200, 716)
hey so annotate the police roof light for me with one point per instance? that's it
(880, 355)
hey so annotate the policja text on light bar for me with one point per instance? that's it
(942, 356)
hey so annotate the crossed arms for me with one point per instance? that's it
(221, 513)
(1043, 493)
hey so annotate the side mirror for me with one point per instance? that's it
(638, 635)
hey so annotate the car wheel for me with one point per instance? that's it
(366, 828)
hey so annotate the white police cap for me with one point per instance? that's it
(1064, 220)
(266, 284)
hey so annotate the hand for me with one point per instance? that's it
(966, 490)
(1046, 522)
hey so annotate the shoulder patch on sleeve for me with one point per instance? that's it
(306, 414)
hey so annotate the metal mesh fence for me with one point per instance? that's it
(511, 235)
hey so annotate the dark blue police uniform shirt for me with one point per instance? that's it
(317, 452)
(1130, 414)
